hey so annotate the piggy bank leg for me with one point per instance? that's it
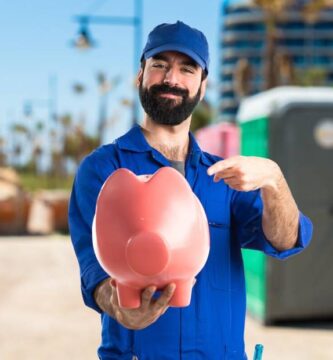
(182, 294)
(128, 297)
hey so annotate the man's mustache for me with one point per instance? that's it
(166, 89)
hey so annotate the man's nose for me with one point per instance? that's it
(171, 77)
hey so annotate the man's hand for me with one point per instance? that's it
(149, 311)
(135, 319)
(280, 218)
(246, 173)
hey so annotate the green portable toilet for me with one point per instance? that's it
(294, 127)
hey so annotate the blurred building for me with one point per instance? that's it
(302, 48)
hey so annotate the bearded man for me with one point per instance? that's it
(246, 199)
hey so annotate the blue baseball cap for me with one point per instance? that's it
(178, 37)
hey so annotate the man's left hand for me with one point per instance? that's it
(246, 173)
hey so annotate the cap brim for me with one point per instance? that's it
(176, 47)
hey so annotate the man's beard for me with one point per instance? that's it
(166, 111)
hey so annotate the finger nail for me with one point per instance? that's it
(164, 311)
(118, 315)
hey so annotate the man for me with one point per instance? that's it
(246, 199)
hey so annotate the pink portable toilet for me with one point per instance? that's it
(221, 139)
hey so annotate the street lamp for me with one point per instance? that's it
(84, 40)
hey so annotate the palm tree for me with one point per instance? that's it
(79, 88)
(104, 86)
(37, 150)
(20, 134)
(2, 152)
(312, 9)
(272, 11)
(314, 75)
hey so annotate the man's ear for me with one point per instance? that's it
(203, 89)
(139, 77)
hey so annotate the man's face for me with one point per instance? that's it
(170, 86)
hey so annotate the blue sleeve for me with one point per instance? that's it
(86, 187)
(247, 209)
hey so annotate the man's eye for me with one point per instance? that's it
(188, 70)
(159, 66)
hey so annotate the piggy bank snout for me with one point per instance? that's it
(147, 253)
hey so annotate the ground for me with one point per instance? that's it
(42, 316)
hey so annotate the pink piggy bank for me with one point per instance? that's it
(150, 230)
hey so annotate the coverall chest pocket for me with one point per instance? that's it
(219, 255)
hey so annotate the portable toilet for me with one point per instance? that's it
(294, 127)
(219, 139)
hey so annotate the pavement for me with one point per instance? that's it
(42, 316)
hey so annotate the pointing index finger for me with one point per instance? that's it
(220, 166)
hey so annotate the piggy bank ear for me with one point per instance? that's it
(122, 176)
(169, 182)
(167, 173)
(116, 192)
(120, 183)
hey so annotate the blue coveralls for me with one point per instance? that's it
(212, 327)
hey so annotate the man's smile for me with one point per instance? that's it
(169, 95)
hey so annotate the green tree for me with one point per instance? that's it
(313, 76)
(76, 142)
(202, 116)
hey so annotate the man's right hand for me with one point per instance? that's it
(134, 319)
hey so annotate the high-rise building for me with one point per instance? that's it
(300, 48)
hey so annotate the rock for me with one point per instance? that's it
(48, 212)
(14, 203)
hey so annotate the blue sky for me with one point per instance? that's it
(35, 39)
